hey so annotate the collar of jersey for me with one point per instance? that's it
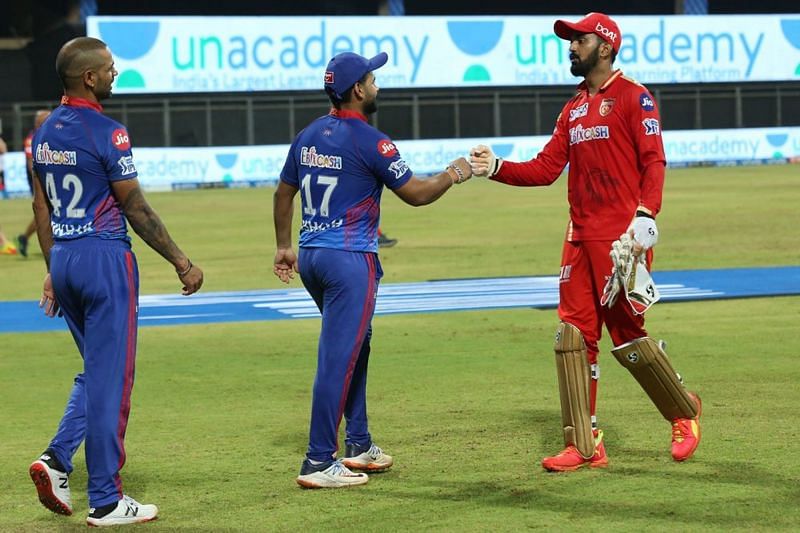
(74, 101)
(616, 74)
(346, 113)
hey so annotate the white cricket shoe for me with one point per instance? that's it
(127, 511)
(52, 485)
(328, 476)
(372, 459)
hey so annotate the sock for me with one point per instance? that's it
(100, 512)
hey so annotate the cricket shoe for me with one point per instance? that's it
(22, 245)
(125, 511)
(8, 249)
(570, 458)
(369, 458)
(331, 475)
(52, 483)
(385, 242)
(686, 433)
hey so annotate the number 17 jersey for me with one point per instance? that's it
(340, 164)
(77, 153)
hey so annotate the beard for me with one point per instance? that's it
(103, 94)
(371, 107)
(582, 68)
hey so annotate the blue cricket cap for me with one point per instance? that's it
(345, 69)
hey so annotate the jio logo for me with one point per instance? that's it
(129, 41)
(475, 38)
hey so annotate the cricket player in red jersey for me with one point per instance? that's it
(609, 133)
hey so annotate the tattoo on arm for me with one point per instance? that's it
(147, 225)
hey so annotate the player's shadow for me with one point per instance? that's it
(704, 478)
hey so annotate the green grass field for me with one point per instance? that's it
(467, 402)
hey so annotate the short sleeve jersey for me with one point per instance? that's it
(77, 153)
(340, 164)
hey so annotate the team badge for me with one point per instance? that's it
(120, 139)
(387, 148)
(606, 106)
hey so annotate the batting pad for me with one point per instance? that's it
(573, 385)
(650, 366)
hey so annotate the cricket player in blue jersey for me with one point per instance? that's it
(341, 163)
(85, 188)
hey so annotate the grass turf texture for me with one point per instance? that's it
(466, 402)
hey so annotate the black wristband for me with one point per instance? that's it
(640, 213)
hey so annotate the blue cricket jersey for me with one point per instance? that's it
(77, 153)
(340, 164)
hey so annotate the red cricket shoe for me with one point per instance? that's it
(570, 458)
(686, 433)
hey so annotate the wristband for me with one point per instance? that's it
(497, 162)
(640, 213)
(188, 268)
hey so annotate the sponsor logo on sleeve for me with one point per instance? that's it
(651, 126)
(646, 102)
(126, 164)
(120, 139)
(606, 106)
(387, 148)
(398, 168)
(578, 112)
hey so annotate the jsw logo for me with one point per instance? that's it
(605, 31)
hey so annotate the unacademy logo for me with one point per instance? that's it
(777, 140)
(227, 161)
(475, 38)
(791, 30)
(129, 41)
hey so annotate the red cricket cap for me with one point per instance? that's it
(598, 23)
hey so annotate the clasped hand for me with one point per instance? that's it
(483, 161)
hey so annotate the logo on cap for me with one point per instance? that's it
(612, 35)
(328, 76)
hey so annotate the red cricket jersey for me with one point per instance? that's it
(27, 145)
(609, 140)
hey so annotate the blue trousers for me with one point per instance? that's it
(344, 286)
(96, 283)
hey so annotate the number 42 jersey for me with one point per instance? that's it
(77, 153)
(340, 164)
